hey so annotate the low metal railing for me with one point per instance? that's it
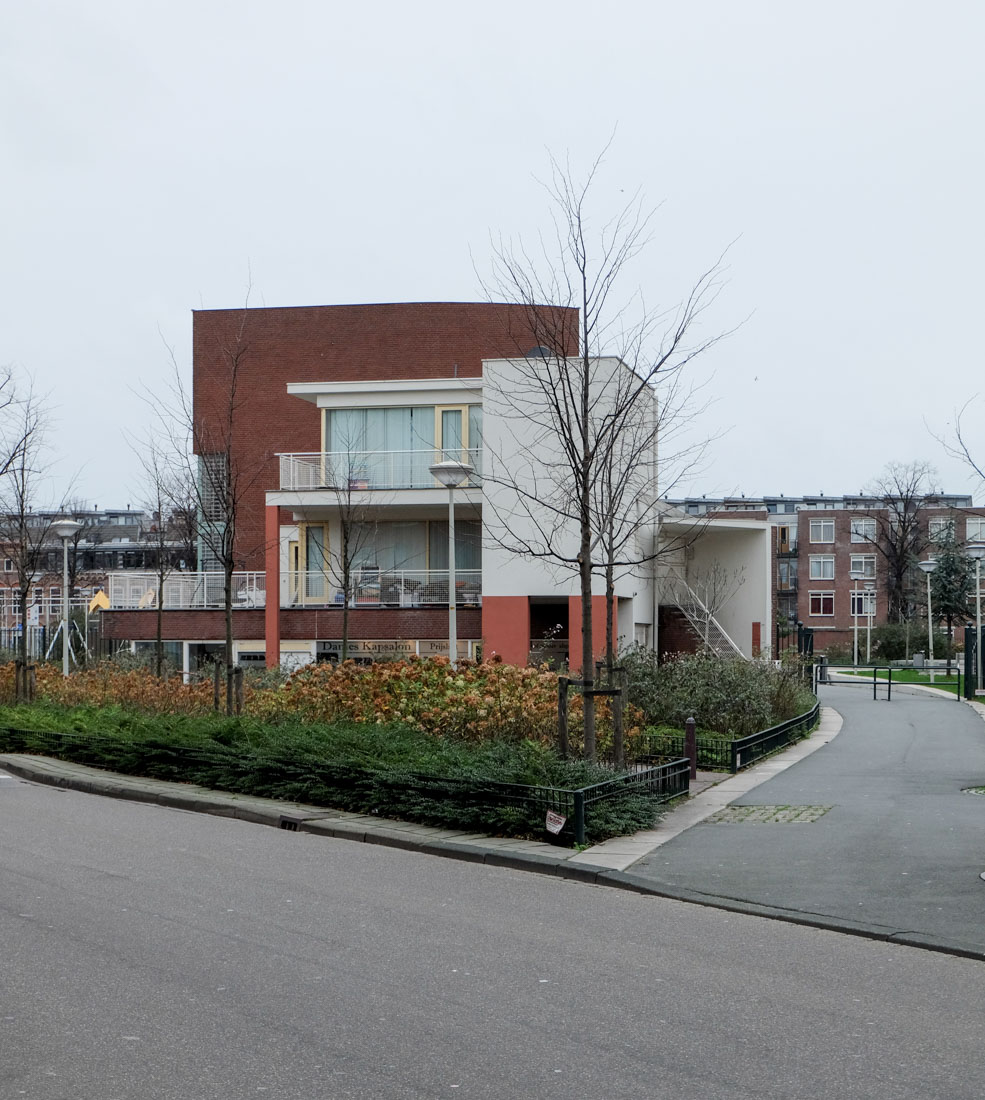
(184, 591)
(747, 750)
(345, 471)
(389, 588)
(475, 800)
(728, 754)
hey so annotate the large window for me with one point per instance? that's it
(975, 530)
(940, 529)
(863, 529)
(416, 545)
(864, 564)
(822, 603)
(863, 605)
(822, 530)
(822, 567)
(399, 429)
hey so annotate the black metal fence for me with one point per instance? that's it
(747, 750)
(485, 805)
(728, 754)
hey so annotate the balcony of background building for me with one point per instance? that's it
(184, 591)
(382, 588)
(371, 470)
(786, 542)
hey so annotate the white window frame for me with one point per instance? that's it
(822, 567)
(862, 602)
(864, 564)
(821, 524)
(860, 535)
(821, 596)
(975, 529)
(939, 527)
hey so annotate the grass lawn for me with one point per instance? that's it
(908, 676)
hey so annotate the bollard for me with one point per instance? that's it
(691, 746)
(562, 716)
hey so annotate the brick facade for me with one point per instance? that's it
(330, 344)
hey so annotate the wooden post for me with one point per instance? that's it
(238, 689)
(618, 740)
(691, 746)
(562, 716)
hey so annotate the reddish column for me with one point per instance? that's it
(506, 628)
(757, 639)
(598, 629)
(272, 600)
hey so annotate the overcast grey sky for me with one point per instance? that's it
(158, 157)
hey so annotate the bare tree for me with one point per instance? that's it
(900, 536)
(588, 420)
(170, 499)
(25, 518)
(345, 480)
(707, 592)
(207, 449)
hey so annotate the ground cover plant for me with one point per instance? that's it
(414, 739)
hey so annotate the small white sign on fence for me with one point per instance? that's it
(555, 822)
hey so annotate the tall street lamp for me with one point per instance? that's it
(928, 567)
(976, 551)
(870, 600)
(65, 529)
(855, 576)
(451, 473)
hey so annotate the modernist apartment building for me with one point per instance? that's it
(829, 571)
(340, 412)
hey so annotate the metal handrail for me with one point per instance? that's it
(342, 472)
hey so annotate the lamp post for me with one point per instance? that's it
(928, 567)
(870, 590)
(855, 576)
(450, 474)
(65, 529)
(976, 551)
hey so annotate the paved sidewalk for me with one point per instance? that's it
(600, 864)
(877, 835)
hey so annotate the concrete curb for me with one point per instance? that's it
(598, 866)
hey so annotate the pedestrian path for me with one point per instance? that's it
(893, 846)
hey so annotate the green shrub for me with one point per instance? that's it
(730, 697)
(391, 769)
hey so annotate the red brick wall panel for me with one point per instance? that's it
(330, 344)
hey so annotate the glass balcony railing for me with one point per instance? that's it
(376, 588)
(344, 471)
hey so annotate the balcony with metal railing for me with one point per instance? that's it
(383, 588)
(184, 591)
(342, 471)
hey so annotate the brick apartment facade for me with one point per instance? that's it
(819, 542)
(291, 365)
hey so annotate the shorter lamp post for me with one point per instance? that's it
(65, 529)
(855, 576)
(870, 599)
(450, 474)
(976, 551)
(928, 567)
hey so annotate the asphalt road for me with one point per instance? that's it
(898, 847)
(151, 953)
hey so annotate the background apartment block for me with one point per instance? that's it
(819, 542)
